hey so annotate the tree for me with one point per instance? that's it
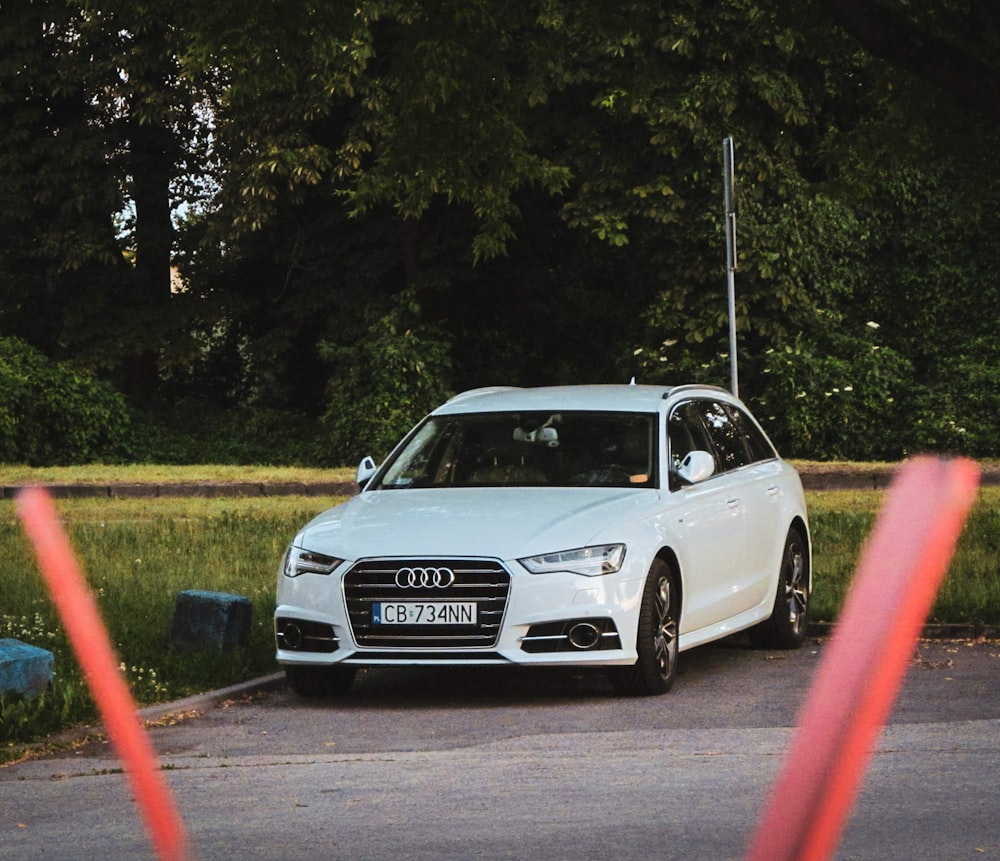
(58, 191)
(952, 59)
(528, 193)
(423, 110)
(98, 128)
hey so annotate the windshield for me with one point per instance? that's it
(564, 449)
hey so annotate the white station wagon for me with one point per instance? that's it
(603, 526)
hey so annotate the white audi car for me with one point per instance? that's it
(601, 526)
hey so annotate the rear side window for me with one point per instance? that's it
(731, 449)
(727, 433)
(759, 445)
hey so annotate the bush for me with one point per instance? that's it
(51, 415)
(195, 431)
(841, 397)
(396, 374)
(844, 399)
(956, 411)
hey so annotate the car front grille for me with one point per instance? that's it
(373, 581)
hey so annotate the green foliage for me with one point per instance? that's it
(838, 537)
(196, 431)
(556, 162)
(971, 590)
(98, 138)
(844, 398)
(383, 384)
(51, 414)
(957, 410)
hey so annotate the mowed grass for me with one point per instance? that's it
(159, 474)
(138, 554)
(840, 522)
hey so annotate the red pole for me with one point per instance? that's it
(856, 684)
(97, 658)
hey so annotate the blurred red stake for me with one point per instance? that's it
(97, 658)
(856, 685)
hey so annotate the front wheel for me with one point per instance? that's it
(659, 617)
(786, 626)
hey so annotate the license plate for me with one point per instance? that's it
(424, 613)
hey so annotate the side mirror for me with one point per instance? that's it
(366, 469)
(696, 466)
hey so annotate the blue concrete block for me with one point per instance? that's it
(24, 669)
(210, 620)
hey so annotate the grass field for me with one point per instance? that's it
(138, 554)
(153, 474)
(840, 522)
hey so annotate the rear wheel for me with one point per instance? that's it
(786, 626)
(659, 616)
(312, 681)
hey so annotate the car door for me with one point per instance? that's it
(760, 490)
(710, 521)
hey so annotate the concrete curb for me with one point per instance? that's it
(832, 479)
(930, 631)
(196, 704)
(212, 699)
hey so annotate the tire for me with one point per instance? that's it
(659, 616)
(312, 681)
(786, 626)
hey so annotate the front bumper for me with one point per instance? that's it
(549, 619)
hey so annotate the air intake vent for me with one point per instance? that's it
(299, 635)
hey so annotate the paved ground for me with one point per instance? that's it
(437, 764)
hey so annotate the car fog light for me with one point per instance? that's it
(584, 635)
(291, 636)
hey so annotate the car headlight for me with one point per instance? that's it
(299, 561)
(588, 561)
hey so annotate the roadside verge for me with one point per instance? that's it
(815, 476)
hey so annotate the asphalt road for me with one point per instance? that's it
(498, 764)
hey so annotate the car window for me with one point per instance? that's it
(730, 444)
(571, 449)
(723, 431)
(686, 432)
(759, 445)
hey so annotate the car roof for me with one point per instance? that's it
(614, 398)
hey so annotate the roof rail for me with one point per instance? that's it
(693, 386)
(485, 390)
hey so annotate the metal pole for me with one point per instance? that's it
(729, 186)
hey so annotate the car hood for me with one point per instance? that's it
(504, 523)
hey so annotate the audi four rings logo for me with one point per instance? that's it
(412, 578)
